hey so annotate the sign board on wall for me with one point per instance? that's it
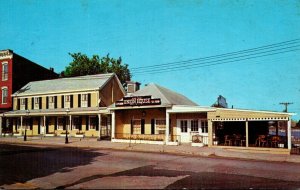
(138, 101)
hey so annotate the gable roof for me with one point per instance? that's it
(62, 85)
(168, 97)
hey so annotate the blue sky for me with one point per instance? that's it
(156, 32)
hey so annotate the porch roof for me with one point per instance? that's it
(59, 111)
(190, 109)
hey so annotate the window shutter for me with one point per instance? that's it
(89, 99)
(18, 104)
(87, 122)
(143, 126)
(62, 101)
(56, 122)
(97, 124)
(47, 102)
(79, 100)
(152, 126)
(40, 102)
(26, 103)
(47, 125)
(131, 127)
(80, 123)
(64, 123)
(31, 123)
(71, 101)
(32, 103)
(55, 102)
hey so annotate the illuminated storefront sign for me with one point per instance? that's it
(138, 101)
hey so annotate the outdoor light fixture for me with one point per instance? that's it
(67, 140)
(143, 113)
(25, 135)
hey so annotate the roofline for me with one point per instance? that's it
(138, 107)
(259, 111)
(58, 92)
(119, 83)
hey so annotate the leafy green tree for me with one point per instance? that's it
(83, 65)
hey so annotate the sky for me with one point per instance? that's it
(156, 32)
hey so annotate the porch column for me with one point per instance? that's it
(247, 134)
(22, 123)
(44, 131)
(167, 127)
(1, 126)
(289, 134)
(113, 124)
(99, 127)
(210, 132)
(70, 122)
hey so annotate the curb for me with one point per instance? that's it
(216, 153)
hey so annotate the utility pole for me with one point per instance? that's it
(286, 105)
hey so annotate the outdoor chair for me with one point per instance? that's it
(228, 140)
(262, 140)
(274, 141)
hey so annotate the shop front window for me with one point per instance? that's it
(194, 126)
(160, 125)
(183, 126)
(136, 126)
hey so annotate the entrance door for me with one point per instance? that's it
(184, 130)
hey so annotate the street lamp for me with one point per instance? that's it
(27, 114)
(67, 140)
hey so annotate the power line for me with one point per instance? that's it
(206, 64)
(201, 63)
(222, 55)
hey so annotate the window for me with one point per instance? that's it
(23, 103)
(183, 126)
(84, 100)
(36, 103)
(76, 124)
(160, 125)
(93, 122)
(60, 123)
(204, 127)
(136, 126)
(194, 125)
(4, 71)
(4, 95)
(67, 101)
(51, 102)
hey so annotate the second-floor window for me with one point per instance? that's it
(23, 103)
(36, 103)
(84, 100)
(67, 101)
(51, 102)
(4, 95)
(4, 71)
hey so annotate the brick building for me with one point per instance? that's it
(16, 71)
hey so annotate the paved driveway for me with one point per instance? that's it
(59, 167)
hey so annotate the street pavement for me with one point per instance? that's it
(27, 166)
(184, 149)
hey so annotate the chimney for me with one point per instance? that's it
(132, 86)
(51, 69)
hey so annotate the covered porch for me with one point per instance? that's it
(250, 130)
(75, 122)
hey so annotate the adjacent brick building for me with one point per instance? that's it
(16, 71)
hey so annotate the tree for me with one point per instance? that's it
(83, 65)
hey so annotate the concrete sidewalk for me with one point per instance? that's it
(184, 149)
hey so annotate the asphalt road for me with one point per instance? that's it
(57, 167)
